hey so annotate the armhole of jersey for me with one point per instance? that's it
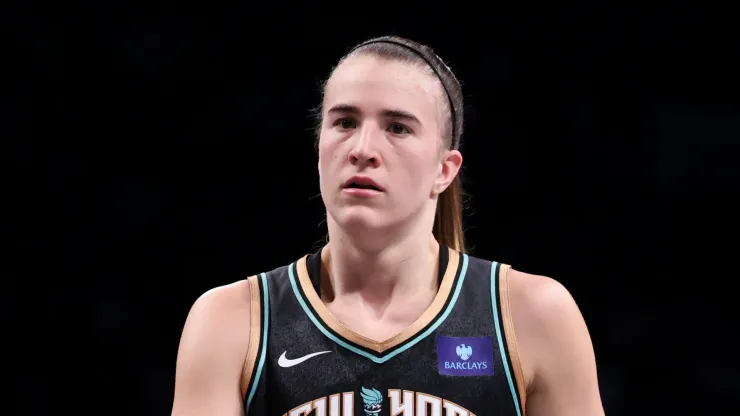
(508, 324)
(255, 336)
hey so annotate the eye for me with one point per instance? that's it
(345, 123)
(399, 129)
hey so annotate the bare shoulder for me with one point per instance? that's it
(535, 302)
(220, 304)
(220, 314)
(212, 351)
(541, 300)
(554, 347)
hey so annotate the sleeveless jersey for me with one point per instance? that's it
(458, 359)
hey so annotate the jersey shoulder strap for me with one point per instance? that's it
(508, 343)
(258, 329)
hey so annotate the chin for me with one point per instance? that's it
(361, 218)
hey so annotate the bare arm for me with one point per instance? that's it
(212, 351)
(555, 348)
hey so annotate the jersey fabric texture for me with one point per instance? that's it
(459, 358)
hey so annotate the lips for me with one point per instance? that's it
(362, 182)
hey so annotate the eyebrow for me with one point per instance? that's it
(351, 109)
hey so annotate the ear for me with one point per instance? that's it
(449, 168)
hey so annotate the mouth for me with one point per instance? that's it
(362, 183)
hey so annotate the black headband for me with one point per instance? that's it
(455, 142)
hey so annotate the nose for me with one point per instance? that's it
(363, 153)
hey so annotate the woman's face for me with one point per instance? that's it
(381, 160)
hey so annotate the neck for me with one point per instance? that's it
(402, 265)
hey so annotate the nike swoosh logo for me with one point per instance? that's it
(285, 362)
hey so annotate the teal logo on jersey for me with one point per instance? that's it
(372, 401)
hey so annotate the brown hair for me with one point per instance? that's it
(448, 220)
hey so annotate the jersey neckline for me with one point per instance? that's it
(380, 351)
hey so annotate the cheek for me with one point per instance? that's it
(329, 151)
(422, 167)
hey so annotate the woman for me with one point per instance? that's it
(390, 317)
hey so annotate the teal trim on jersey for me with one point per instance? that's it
(265, 323)
(501, 349)
(407, 345)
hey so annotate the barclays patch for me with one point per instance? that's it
(465, 356)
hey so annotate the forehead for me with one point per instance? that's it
(373, 84)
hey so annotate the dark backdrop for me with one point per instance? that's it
(160, 151)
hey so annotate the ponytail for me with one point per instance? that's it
(448, 220)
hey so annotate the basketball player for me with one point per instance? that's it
(390, 317)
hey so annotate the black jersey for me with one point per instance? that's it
(457, 359)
